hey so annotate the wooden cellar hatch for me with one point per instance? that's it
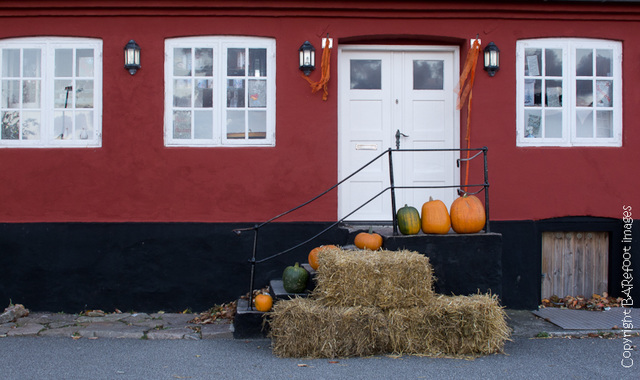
(574, 263)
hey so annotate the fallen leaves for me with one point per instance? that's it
(596, 302)
(13, 313)
(224, 311)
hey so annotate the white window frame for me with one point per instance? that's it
(568, 109)
(220, 44)
(48, 139)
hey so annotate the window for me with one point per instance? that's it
(220, 91)
(51, 92)
(569, 92)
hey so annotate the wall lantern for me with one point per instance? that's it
(132, 57)
(307, 58)
(491, 59)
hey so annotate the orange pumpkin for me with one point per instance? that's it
(435, 217)
(368, 240)
(263, 302)
(467, 215)
(313, 255)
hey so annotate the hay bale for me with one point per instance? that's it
(384, 279)
(303, 328)
(450, 326)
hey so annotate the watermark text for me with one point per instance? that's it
(627, 287)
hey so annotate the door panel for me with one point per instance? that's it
(383, 91)
(368, 114)
(428, 118)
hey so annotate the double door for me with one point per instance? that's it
(396, 97)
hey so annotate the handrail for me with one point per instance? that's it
(483, 187)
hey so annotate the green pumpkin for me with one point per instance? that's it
(408, 220)
(294, 279)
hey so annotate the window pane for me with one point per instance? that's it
(63, 97)
(84, 125)
(235, 93)
(235, 125)
(584, 123)
(533, 59)
(554, 93)
(584, 62)
(532, 119)
(203, 125)
(604, 124)
(366, 74)
(235, 62)
(553, 62)
(84, 62)
(257, 93)
(84, 94)
(10, 94)
(532, 92)
(31, 94)
(257, 124)
(553, 124)
(584, 93)
(10, 122)
(64, 63)
(63, 125)
(31, 121)
(181, 124)
(203, 94)
(428, 75)
(604, 93)
(604, 62)
(258, 62)
(182, 62)
(204, 62)
(182, 93)
(31, 64)
(11, 63)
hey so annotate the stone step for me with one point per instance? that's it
(247, 322)
(278, 293)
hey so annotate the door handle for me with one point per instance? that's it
(398, 135)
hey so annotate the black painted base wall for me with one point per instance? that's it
(462, 264)
(140, 266)
(71, 267)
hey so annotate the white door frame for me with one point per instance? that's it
(396, 48)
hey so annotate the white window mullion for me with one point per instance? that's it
(219, 91)
(48, 98)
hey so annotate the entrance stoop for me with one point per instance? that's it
(463, 264)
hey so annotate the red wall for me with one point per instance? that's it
(133, 177)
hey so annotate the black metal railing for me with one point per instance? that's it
(391, 188)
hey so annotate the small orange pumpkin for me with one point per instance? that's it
(368, 240)
(313, 255)
(435, 217)
(467, 215)
(263, 302)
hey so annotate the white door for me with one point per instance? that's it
(389, 91)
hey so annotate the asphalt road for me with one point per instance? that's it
(64, 358)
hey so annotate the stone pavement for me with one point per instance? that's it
(161, 325)
(122, 325)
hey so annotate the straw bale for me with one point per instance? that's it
(450, 326)
(303, 328)
(384, 279)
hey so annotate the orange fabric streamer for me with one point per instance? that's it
(466, 93)
(323, 83)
